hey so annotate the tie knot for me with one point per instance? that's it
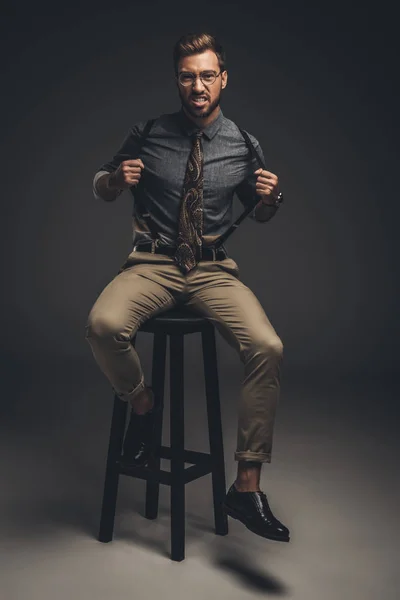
(197, 133)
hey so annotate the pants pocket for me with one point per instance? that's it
(230, 266)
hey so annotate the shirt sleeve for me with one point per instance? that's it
(246, 190)
(96, 192)
(127, 150)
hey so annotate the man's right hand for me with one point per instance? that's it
(127, 174)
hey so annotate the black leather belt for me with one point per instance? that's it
(207, 252)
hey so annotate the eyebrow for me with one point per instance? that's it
(203, 71)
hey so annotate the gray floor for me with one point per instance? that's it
(333, 481)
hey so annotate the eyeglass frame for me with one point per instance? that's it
(194, 78)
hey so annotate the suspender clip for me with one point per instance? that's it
(154, 244)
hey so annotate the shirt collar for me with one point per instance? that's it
(189, 126)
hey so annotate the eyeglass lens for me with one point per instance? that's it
(207, 77)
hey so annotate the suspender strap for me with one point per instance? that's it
(253, 154)
(146, 130)
(253, 151)
(143, 211)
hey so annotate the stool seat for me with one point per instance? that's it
(178, 319)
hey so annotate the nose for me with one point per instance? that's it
(198, 85)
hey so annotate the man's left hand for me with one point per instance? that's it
(266, 186)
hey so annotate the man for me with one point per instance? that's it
(192, 162)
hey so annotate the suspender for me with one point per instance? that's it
(150, 223)
(235, 225)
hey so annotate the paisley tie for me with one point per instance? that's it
(190, 230)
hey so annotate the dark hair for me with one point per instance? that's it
(195, 43)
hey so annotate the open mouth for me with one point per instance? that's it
(198, 100)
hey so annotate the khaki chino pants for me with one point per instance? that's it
(148, 284)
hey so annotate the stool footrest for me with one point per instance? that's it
(158, 476)
(196, 471)
(189, 456)
(200, 466)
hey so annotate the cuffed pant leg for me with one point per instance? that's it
(259, 398)
(252, 456)
(217, 292)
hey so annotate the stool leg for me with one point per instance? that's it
(177, 438)
(158, 383)
(215, 429)
(112, 470)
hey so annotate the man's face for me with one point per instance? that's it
(196, 64)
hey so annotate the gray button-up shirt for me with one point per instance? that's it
(228, 169)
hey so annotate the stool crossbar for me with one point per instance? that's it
(174, 323)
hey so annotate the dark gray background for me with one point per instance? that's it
(316, 85)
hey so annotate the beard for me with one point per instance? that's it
(195, 112)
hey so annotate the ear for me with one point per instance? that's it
(224, 78)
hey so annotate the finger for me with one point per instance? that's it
(267, 179)
(131, 170)
(265, 173)
(134, 169)
(265, 183)
(264, 189)
(261, 185)
(133, 162)
(133, 178)
(129, 177)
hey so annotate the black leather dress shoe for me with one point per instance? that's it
(252, 509)
(139, 443)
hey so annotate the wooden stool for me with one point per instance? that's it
(175, 323)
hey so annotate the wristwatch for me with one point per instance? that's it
(277, 200)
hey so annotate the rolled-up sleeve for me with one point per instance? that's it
(97, 176)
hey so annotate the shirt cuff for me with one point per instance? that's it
(97, 176)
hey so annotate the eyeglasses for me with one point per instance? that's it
(207, 77)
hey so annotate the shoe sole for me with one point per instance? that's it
(232, 513)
